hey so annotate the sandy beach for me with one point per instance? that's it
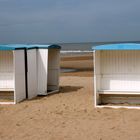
(81, 62)
(69, 114)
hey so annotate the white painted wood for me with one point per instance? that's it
(53, 69)
(96, 77)
(117, 73)
(6, 80)
(42, 72)
(32, 73)
(6, 89)
(19, 76)
(7, 103)
(48, 69)
(95, 80)
(6, 70)
(117, 107)
(110, 92)
(120, 62)
(124, 82)
(120, 70)
(6, 61)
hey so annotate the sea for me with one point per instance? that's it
(85, 47)
(79, 49)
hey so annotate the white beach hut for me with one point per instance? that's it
(12, 74)
(117, 75)
(43, 69)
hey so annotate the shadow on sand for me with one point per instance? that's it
(67, 89)
(62, 89)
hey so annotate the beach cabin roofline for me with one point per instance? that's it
(125, 46)
(117, 75)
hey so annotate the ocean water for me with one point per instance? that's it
(85, 47)
(80, 49)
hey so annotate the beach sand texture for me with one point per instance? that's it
(68, 115)
(83, 61)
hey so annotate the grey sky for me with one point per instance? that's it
(42, 21)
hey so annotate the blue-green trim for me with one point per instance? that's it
(22, 47)
(125, 46)
(44, 46)
(12, 47)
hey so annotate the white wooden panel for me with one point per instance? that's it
(97, 69)
(42, 60)
(32, 73)
(6, 61)
(120, 70)
(53, 69)
(120, 82)
(120, 62)
(54, 58)
(6, 81)
(6, 70)
(19, 66)
(97, 76)
(53, 79)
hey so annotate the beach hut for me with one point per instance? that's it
(43, 69)
(117, 75)
(12, 74)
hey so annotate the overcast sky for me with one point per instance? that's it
(42, 21)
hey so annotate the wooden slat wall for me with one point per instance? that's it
(32, 73)
(42, 65)
(19, 67)
(6, 61)
(53, 69)
(120, 62)
(97, 77)
(6, 69)
(120, 70)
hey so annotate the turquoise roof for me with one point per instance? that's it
(24, 46)
(125, 46)
(12, 47)
(37, 46)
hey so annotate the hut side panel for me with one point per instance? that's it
(53, 69)
(120, 70)
(97, 76)
(32, 73)
(19, 73)
(6, 70)
(42, 60)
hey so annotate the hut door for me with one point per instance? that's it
(42, 71)
(53, 70)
